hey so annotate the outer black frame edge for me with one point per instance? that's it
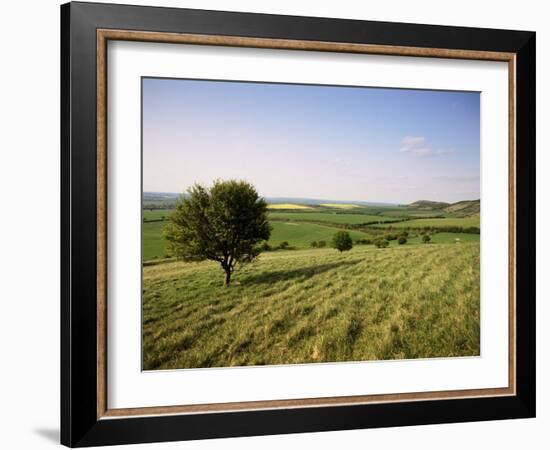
(79, 426)
(526, 224)
(65, 227)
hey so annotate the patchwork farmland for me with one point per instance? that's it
(300, 225)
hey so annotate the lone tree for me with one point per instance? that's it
(224, 223)
(342, 241)
(426, 238)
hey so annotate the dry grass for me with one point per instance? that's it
(314, 306)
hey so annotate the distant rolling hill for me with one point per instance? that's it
(464, 208)
(428, 205)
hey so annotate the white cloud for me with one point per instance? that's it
(411, 141)
(416, 145)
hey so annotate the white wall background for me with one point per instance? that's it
(29, 224)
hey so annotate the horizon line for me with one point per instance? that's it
(336, 200)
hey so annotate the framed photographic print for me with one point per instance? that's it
(276, 224)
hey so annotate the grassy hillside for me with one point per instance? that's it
(339, 205)
(412, 213)
(465, 208)
(444, 238)
(156, 214)
(427, 204)
(300, 235)
(314, 306)
(297, 234)
(299, 229)
(330, 217)
(153, 245)
(439, 223)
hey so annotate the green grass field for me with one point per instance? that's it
(156, 214)
(153, 245)
(443, 222)
(319, 305)
(439, 238)
(339, 205)
(297, 234)
(301, 234)
(297, 229)
(445, 238)
(329, 217)
(400, 213)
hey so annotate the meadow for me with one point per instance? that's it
(153, 245)
(330, 217)
(304, 304)
(301, 234)
(464, 222)
(156, 214)
(316, 305)
(297, 234)
(299, 228)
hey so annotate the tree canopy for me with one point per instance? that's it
(342, 241)
(224, 223)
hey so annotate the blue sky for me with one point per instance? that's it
(326, 142)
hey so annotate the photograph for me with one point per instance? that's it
(294, 224)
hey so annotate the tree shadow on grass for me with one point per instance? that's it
(303, 273)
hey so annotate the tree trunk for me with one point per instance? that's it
(227, 277)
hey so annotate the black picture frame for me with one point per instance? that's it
(79, 423)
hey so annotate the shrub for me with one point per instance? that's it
(426, 238)
(402, 240)
(363, 241)
(283, 245)
(321, 244)
(472, 230)
(381, 243)
(314, 244)
(265, 247)
(390, 237)
(342, 241)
